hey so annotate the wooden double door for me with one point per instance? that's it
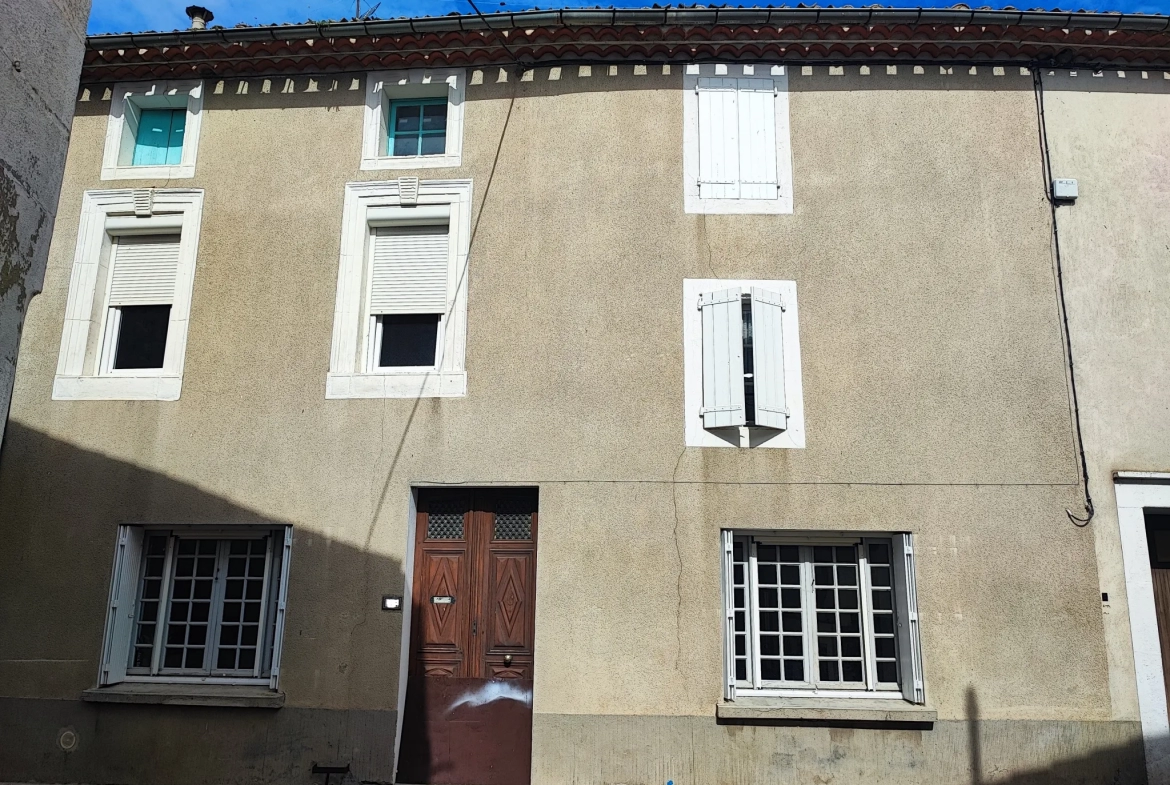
(468, 718)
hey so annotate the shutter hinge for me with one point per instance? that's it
(710, 409)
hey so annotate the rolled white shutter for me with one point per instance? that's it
(768, 359)
(906, 599)
(722, 314)
(757, 139)
(719, 129)
(144, 270)
(284, 550)
(729, 616)
(409, 270)
(120, 612)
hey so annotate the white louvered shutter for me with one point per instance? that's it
(906, 599)
(768, 359)
(284, 549)
(719, 129)
(757, 139)
(722, 314)
(409, 270)
(121, 611)
(729, 615)
(144, 270)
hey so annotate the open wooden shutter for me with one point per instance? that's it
(768, 359)
(757, 139)
(723, 405)
(120, 613)
(719, 129)
(144, 270)
(283, 551)
(728, 616)
(906, 598)
(409, 270)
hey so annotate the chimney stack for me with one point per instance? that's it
(200, 16)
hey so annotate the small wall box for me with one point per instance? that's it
(1064, 190)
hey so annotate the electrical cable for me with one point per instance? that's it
(1046, 157)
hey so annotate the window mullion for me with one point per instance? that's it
(215, 613)
(866, 607)
(753, 614)
(164, 607)
(811, 663)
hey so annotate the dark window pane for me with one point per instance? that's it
(846, 553)
(740, 646)
(829, 671)
(739, 599)
(434, 117)
(248, 659)
(770, 670)
(408, 340)
(880, 576)
(231, 611)
(236, 568)
(173, 658)
(255, 589)
(205, 568)
(791, 597)
(884, 647)
(740, 621)
(793, 646)
(792, 622)
(883, 624)
(887, 672)
(846, 575)
(851, 647)
(850, 623)
(226, 659)
(434, 144)
(768, 598)
(737, 555)
(789, 553)
(203, 590)
(851, 671)
(770, 621)
(827, 646)
(407, 119)
(823, 576)
(197, 635)
(767, 573)
(235, 589)
(145, 633)
(248, 635)
(826, 622)
(770, 645)
(847, 598)
(207, 547)
(823, 553)
(879, 553)
(405, 145)
(142, 336)
(794, 670)
(825, 599)
(195, 658)
(882, 600)
(199, 611)
(187, 547)
(741, 670)
(790, 575)
(768, 553)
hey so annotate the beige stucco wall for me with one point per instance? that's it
(934, 390)
(43, 42)
(1112, 135)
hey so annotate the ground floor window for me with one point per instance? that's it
(829, 614)
(197, 604)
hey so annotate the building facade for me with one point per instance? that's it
(44, 42)
(649, 396)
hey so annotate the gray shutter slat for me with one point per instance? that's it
(909, 641)
(722, 316)
(409, 270)
(144, 270)
(768, 359)
(123, 597)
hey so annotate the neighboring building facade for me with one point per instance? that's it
(691, 405)
(43, 43)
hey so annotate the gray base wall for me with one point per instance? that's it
(570, 749)
(190, 745)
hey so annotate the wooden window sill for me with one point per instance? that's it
(851, 712)
(253, 697)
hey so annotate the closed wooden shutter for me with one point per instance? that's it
(409, 270)
(722, 315)
(144, 270)
(768, 359)
(757, 139)
(906, 604)
(283, 550)
(123, 597)
(728, 539)
(719, 129)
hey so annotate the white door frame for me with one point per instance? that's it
(1135, 492)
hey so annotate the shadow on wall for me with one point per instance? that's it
(1118, 765)
(59, 511)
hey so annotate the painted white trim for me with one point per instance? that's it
(80, 360)
(1131, 477)
(1132, 499)
(695, 434)
(407, 608)
(364, 203)
(385, 86)
(121, 130)
(782, 205)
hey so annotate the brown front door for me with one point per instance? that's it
(468, 718)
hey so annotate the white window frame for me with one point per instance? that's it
(382, 87)
(122, 127)
(368, 205)
(84, 338)
(696, 435)
(1136, 491)
(910, 686)
(693, 203)
(125, 581)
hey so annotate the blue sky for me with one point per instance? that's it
(120, 16)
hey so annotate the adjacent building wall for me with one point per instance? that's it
(41, 42)
(935, 396)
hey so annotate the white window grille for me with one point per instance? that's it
(825, 614)
(197, 605)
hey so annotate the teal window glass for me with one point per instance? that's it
(418, 127)
(160, 137)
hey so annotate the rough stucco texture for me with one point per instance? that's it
(934, 384)
(41, 44)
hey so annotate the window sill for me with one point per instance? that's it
(433, 384)
(411, 162)
(164, 172)
(820, 710)
(117, 388)
(258, 697)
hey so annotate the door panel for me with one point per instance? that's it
(468, 718)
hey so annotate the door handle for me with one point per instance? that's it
(507, 659)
